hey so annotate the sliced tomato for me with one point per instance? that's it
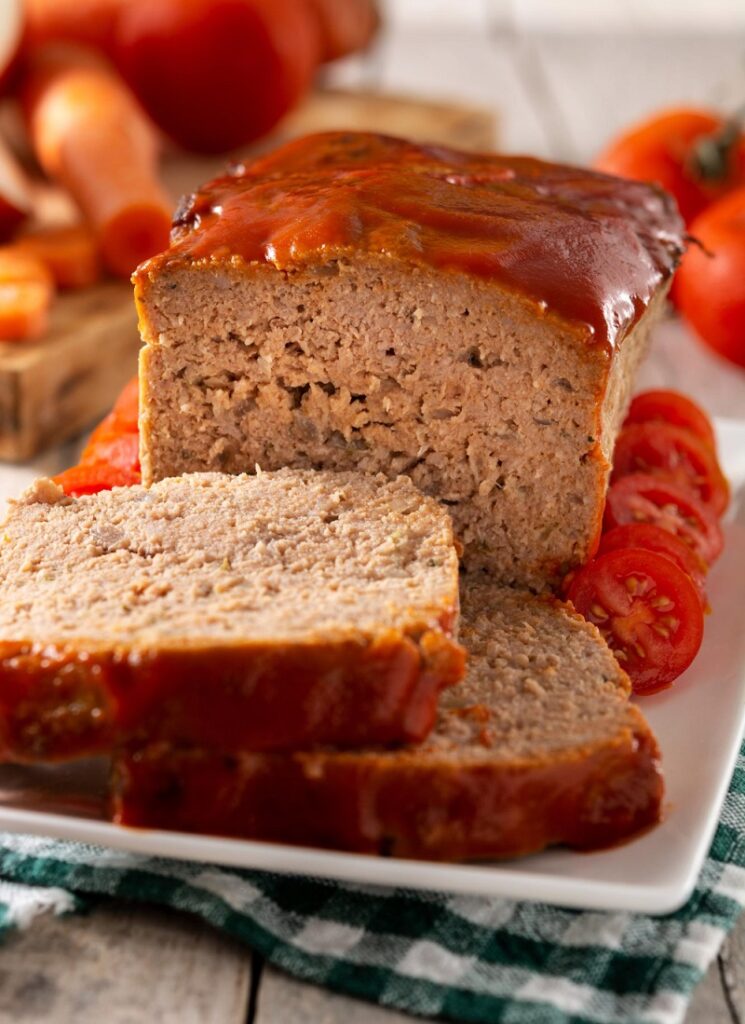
(662, 542)
(127, 406)
(647, 609)
(119, 450)
(675, 453)
(644, 498)
(671, 407)
(95, 477)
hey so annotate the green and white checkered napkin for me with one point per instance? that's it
(464, 958)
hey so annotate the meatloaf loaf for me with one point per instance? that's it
(238, 612)
(539, 745)
(356, 301)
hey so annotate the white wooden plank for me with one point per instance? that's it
(284, 1000)
(123, 965)
(603, 83)
(457, 66)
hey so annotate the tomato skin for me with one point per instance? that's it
(120, 450)
(675, 454)
(710, 286)
(662, 542)
(94, 477)
(661, 149)
(647, 609)
(662, 406)
(127, 406)
(217, 74)
(643, 498)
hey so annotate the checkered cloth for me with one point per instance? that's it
(462, 958)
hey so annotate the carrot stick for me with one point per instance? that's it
(70, 253)
(26, 290)
(90, 135)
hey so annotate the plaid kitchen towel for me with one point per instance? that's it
(461, 958)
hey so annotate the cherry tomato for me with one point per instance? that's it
(94, 477)
(647, 609)
(675, 454)
(694, 154)
(710, 286)
(654, 538)
(643, 498)
(660, 406)
(217, 74)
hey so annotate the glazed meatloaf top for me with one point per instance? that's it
(208, 558)
(585, 247)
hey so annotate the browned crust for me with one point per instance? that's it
(64, 702)
(407, 804)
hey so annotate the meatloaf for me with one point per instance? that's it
(238, 612)
(539, 745)
(356, 301)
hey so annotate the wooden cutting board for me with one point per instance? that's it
(53, 389)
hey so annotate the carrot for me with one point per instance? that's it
(15, 193)
(26, 291)
(70, 253)
(89, 134)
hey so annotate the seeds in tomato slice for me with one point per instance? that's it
(654, 538)
(644, 498)
(650, 613)
(676, 454)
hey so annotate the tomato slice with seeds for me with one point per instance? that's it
(662, 406)
(654, 538)
(675, 453)
(643, 498)
(647, 609)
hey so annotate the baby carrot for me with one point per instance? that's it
(26, 290)
(69, 252)
(89, 134)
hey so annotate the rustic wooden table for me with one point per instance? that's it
(559, 96)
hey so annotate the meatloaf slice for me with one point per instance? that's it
(539, 745)
(246, 612)
(356, 301)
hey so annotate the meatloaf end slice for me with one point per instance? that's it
(539, 745)
(472, 321)
(239, 612)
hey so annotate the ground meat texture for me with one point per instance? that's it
(537, 746)
(499, 391)
(244, 612)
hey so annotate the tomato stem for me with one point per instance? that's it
(711, 156)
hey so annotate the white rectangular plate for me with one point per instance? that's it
(699, 724)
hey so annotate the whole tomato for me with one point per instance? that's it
(710, 285)
(216, 74)
(696, 155)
